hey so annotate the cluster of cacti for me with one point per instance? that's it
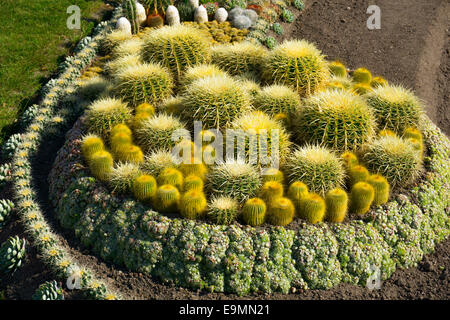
(221, 32)
(277, 99)
(263, 139)
(6, 206)
(242, 18)
(215, 100)
(156, 133)
(337, 119)
(10, 146)
(393, 158)
(129, 8)
(222, 210)
(362, 195)
(254, 212)
(176, 47)
(318, 167)
(141, 83)
(49, 291)
(395, 107)
(234, 178)
(12, 254)
(103, 114)
(192, 204)
(144, 187)
(239, 58)
(296, 63)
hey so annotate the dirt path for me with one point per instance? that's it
(411, 48)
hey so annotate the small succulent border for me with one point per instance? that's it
(40, 122)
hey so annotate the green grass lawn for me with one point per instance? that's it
(34, 38)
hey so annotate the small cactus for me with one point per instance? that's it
(362, 75)
(273, 174)
(12, 254)
(123, 25)
(221, 15)
(277, 28)
(222, 210)
(90, 145)
(417, 145)
(312, 208)
(412, 132)
(299, 4)
(192, 204)
(101, 165)
(144, 188)
(350, 159)
(130, 153)
(337, 69)
(254, 212)
(378, 82)
(200, 14)
(362, 195)
(361, 88)
(270, 191)
(357, 174)
(381, 187)
(193, 182)
(166, 199)
(6, 206)
(145, 107)
(172, 16)
(297, 191)
(171, 176)
(336, 205)
(281, 211)
(271, 42)
(49, 291)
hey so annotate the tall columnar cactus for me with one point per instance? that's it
(266, 139)
(337, 69)
(101, 165)
(49, 291)
(239, 58)
(171, 176)
(216, 101)
(12, 254)
(362, 195)
(177, 48)
(222, 210)
(337, 119)
(192, 204)
(166, 199)
(312, 208)
(299, 64)
(393, 158)
(104, 114)
(358, 173)
(144, 188)
(156, 133)
(381, 187)
(277, 99)
(234, 178)
(297, 191)
(270, 191)
(254, 212)
(141, 83)
(336, 205)
(193, 182)
(131, 13)
(318, 167)
(395, 107)
(281, 211)
(6, 206)
(90, 145)
(362, 75)
(273, 174)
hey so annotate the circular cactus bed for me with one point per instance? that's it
(362, 188)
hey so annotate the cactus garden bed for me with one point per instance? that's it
(375, 167)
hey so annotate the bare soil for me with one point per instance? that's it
(412, 48)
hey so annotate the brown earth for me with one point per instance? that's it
(411, 48)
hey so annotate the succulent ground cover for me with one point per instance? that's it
(224, 255)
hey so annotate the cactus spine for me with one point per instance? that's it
(254, 212)
(192, 204)
(337, 69)
(166, 199)
(381, 187)
(336, 205)
(222, 210)
(281, 211)
(312, 208)
(361, 198)
(101, 165)
(6, 206)
(131, 153)
(144, 188)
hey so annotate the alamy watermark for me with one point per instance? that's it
(374, 280)
(374, 20)
(74, 20)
